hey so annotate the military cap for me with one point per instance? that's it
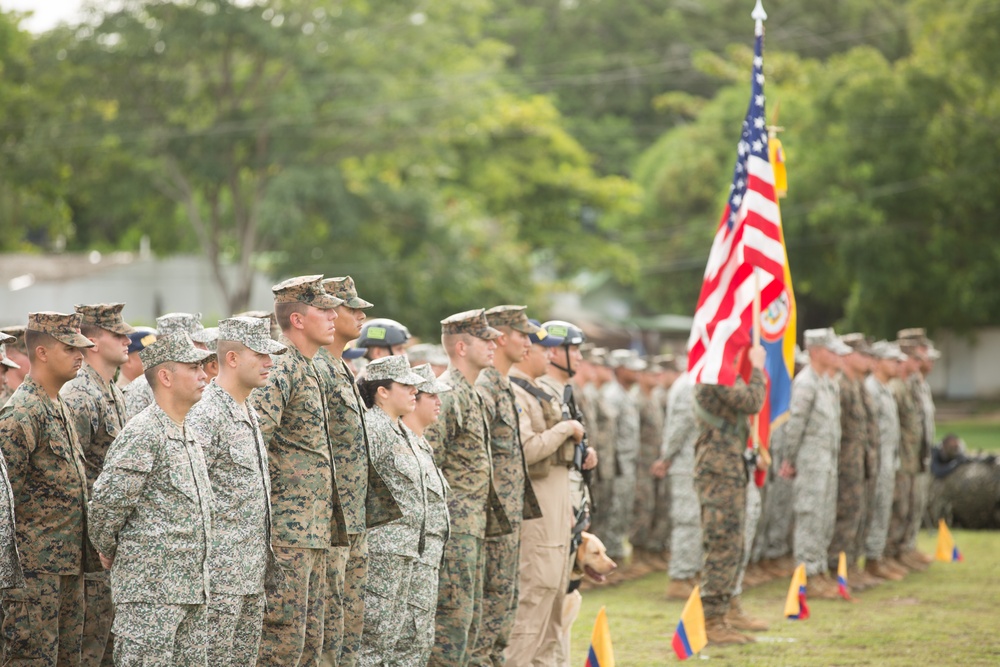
(352, 351)
(513, 317)
(666, 362)
(598, 356)
(395, 368)
(472, 322)
(430, 385)
(16, 331)
(932, 352)
(6, 338)
(142, 337)
(825, 338)
(209, 337)
(106, 316)
(259, 314)
(543, 337)
(176, 347)
(427, 353)
(170, 323)
(916, 334)
(627, 359)
(253, 332)
(343, 288)
(858, 343)
(305, 289)
(883, 349)
(64, 328)
(4, 359)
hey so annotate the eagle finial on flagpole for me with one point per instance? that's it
(759, 15)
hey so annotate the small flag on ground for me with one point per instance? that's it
(601, 654)
(689, 637)
(795, 604)
(946, 549)
(842, 577)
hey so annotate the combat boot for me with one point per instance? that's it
(718, 633)
(680, 589)
(869, 579)
(897, 567)
(739, 619)
(877, 568)
(912, 561)
(820, 587)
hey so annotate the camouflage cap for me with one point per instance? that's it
(472, 322)
(427, 353)
(64, 328)
(916, 334)
(395, 368)
(209, 337)
(825, 338)
(305, 289)
(253, 332)
(430, 385)
(259, 314)
(932, 352)
(171, 323)
(6, 338)
(17, 332)
(514, 317)
(858, 342)
(106, 316)
(173, 347)
(665, 362)
(343, 288)
(4, 359)
(883, 349)
(598, 356)
(627, 359)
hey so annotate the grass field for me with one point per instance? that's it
(978, 433)
(948, 615)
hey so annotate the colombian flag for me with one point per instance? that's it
(946, 549)
(689, 637)
(795, 604)
(601, 654)
(842, 577)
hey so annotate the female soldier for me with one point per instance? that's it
(417, 638)
(389, 390)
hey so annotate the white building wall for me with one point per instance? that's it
(969, 366)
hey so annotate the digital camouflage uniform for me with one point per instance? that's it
(366, 502)
(854, 435)
(98, 409)
(43, 620)
(778, 508)
(651, 514)
(721, 480)
(872, 446)
(887, 418)
(602, 437)
(680, 433)
(242, 559)
(910, 433)
(138, 396)
(503, 553)
(306, 514)
(152, 513)
(625, 434)
(544, 567)
(393, 548)
(416, 638)
(924, 400)
(11, 574)
(812, 445)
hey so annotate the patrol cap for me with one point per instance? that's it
(253, 332)
(514, 317)
(107, 316)
(427, 353)
(932, 352)
(666, 362)
(916, 334)
(472, 322)
(382, 332)
(4, 359)
(170, 323)
(627, 359)
(598, 356)
(543, 337)
(209, 337)
(142, 337)
(343, 288)
(16, 331)
(858, 342)
(825, 338)
(430, 385)
(395, 368)
(305, 289)
(883, 349)
(176, 347)
(570, 333)
(64, 328)
(6, 338)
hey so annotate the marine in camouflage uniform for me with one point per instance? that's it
(305, 504)
(811, 447)
(922, 347)
(601, 435)
(393, 548)
(11, 574)
(721, 481)
(98, 409)
(651, 514)
(510, 476)
(43, 620)
(6, 364)
(17, 365)
(680, 433)
(151, 516)
(911, 432)
(626, 438)
(242, 561)
(460, 439)
(138, 394)
(887, 418)
(364, 497)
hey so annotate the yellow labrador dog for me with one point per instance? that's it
(592, 564)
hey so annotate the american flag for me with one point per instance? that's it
(749, 237)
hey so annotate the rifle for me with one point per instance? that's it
(570, 410)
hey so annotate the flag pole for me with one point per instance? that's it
(763, 459)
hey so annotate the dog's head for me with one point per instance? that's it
(592, 559)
